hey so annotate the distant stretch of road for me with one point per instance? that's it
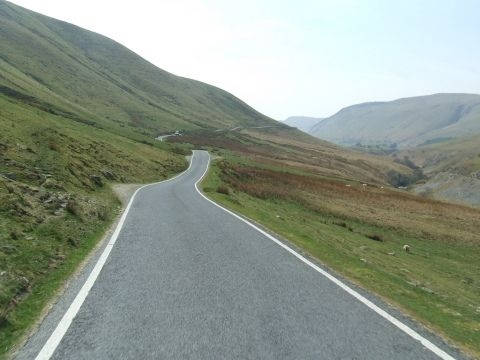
(161, 137)
(184, 279)
(238, 128)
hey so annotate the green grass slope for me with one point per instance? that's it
(405, 122)
(101, 82)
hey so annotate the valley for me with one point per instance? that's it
(436, 134)
(81, 114)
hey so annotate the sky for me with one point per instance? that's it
(300, 57)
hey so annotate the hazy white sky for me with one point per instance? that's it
(296, 57)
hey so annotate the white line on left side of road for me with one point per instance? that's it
(405, 328)
(57, 335)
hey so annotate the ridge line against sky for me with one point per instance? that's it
(296, 58)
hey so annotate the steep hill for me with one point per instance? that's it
(95, 80)
(405, 122)
(303, 123)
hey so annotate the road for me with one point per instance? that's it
(250, 127)
(185, 279)
(161, 137)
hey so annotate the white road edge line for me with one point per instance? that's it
(50, 346)
(429, 345)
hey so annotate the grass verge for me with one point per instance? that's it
(28, 311)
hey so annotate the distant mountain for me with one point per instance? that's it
(407, 122)
(303, 123)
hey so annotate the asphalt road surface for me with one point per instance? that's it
(187, 280)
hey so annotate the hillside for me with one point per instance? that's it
(94, 80)
(78, 113)
(452, 167)
(295, 149)
(303, 123)
(405, 122)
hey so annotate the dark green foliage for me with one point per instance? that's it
(73, 207)
(222, 189)
(375, 237)
(398, 179)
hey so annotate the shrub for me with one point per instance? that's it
(180, 151)
(398, 179)
(376, 237)
(53, 146)
(222, 189)
(73, 207)
(102, 213)
(73, 242)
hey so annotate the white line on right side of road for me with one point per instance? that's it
(52, 343)
(406, 329)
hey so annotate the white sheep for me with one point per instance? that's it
(406, 248)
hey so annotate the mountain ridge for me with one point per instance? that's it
(303, 123)
(407, 122)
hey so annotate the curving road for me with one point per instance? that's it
(187, 280)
